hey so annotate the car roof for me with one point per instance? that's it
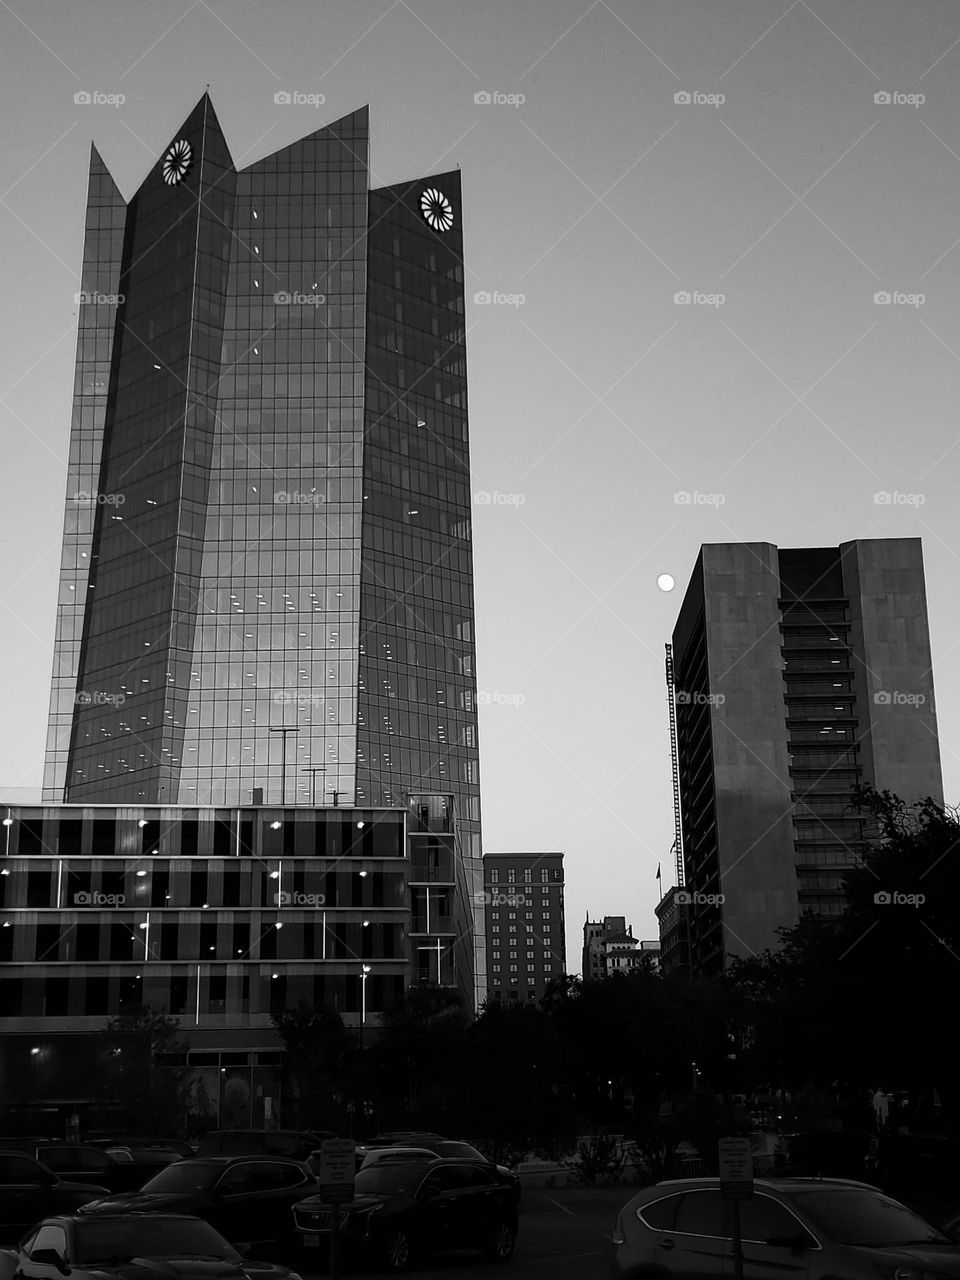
(399, 1152)
(119, 1215)
(768, 1184)
(250, 1158)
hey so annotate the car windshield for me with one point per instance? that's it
(149, 1237)
(866, 1218)
(457, 1151)
(389, 1179)
(184, 1177)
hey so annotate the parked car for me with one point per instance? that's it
(246, 1198)
(172, 1146)
(403, 1212)
(29, 1192)
(131, 1247)
(826, 1154)
(810, 1228)
(84, 1163)
(394, 1155)
(449, 1149)
(294, 1143)
(918, 1165)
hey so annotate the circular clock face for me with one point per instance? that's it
(177, 162)
(436, 209)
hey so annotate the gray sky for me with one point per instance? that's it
(595, 398)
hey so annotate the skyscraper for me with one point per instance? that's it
(266, 588)
(799, 674)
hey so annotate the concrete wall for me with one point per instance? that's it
(894, 683)
(754, 826)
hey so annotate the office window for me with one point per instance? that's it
(527, 875)
(496, 968)
(544, 875)
(511, 876)
(513, 969)
(494, 876)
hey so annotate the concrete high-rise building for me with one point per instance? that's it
(799, 674)
(266, 590)
(526, 937)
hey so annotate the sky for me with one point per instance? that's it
(713, 295)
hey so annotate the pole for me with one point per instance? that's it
(335, 1242)
(737, 1243)
(283, 776)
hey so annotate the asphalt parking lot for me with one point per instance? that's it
(564, 1235)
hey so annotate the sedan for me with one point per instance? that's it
(807, 1228)
(131, 1247)
(247, 1198)
(402, 1212)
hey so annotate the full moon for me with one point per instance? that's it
(665, 582)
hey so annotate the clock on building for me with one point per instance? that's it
(436, 209)
(177, 162)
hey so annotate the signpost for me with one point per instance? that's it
(337, 1174)
(736, 1184)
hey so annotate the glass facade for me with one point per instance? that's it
(269, 594)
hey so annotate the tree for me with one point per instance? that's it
(319, 1066)
(864, 999)
(145, 1070)
(417, 1060)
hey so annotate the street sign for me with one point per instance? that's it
(338, 1166)
(736, 1169)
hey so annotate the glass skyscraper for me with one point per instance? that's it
(268, 502)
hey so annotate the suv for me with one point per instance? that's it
(402, 1212)
(810, 1227)
(446, 1149)
(29, 1192)
(246, 1198)
(295, 1144)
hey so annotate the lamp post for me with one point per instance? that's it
(283, 776)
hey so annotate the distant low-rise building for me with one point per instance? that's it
(609, 947)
